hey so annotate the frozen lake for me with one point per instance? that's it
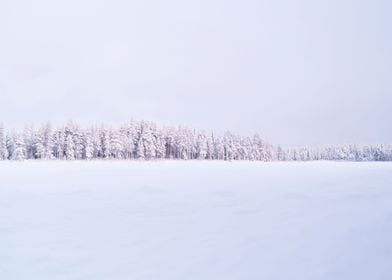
(195, 220)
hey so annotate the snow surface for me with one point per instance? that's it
(195, 220)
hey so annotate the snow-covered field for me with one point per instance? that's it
(195, 220)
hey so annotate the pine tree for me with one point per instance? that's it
(116, 145)
(105, 144)
(69, 147)
(201, 146)
(88, 146)
(59, 144)
(19, 152)
(47, 141)
(144, 140)
(3, 144)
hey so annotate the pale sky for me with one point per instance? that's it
(297, 72)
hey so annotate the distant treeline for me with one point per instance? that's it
(146, 141)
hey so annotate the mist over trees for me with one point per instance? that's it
(144, 140)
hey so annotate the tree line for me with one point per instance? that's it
(146, 141)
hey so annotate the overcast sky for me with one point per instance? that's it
(298, 72)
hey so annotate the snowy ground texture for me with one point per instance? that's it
(195, 220)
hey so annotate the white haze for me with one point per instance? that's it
(298, 72)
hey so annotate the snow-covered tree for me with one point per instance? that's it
(59, 144)
(69, 147)
(3, 144)
(88, 145)
(201, 146)
(144, 140)
(47, 141)
(19, 152)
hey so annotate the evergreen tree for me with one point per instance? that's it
(144, 140)
(69, 147)
(19, 152)
(3, 144)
